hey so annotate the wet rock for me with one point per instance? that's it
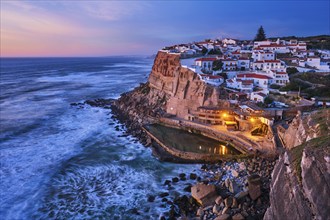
(223, 217)
(193, 176)
(216, 209)
(151, 198)
(228, 201)
(181, 175)
(175, 179)
(167, 182)
(231, 185)
(238, 216)
(234, 173)
(164, 194)
(200, 212)
(242, 166)
(218, 200)
(204, 194)
(187, 188)
(241, 195)
(254, 186)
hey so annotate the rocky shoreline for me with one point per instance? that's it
(236, 189)
(226, 190)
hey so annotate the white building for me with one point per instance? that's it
(205, 63)
(263, 55)
(228, 41)
(229, 64)
(242, 85)
(314, 61)
(258, 79)
(243, 64)
(280, 78)
(258, 96)
(261, 43)
(213, 80)
(278, 48)
(268, 65)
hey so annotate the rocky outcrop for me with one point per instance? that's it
(305, 127)
(286, 198)
(300, 186)
(171, 89)
(186, 91)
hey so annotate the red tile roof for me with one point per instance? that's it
(206, 59)
(252, 75)
(261, 94)
(268, 61)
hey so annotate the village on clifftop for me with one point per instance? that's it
(252, 73)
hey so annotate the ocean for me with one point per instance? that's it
(64, 162)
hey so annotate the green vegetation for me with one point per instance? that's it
(274, 86)
(311, 84)
(320, 117)
(217, 65)
(313, 42)
(268, 100)
(297, 152)
(260, 34)
(215, 51)
(204, 50)
(291, 70)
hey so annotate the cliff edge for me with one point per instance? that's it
(171, 90)
(300, 187)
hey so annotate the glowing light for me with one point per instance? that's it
(224, 115)
(200, 147)
(252, 119)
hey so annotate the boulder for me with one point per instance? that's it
(218, 200)
(228, 202)
(242, 166)
(254, 186)
(241, 195)
(223, 217)
(205, 195)
(238, 216)
(193, 176)
(234, 173)
(216, 209)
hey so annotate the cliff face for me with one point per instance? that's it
(185, 91)
(300, 185)
(306, 127)
(170, 89)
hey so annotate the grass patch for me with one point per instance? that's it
(297, 152)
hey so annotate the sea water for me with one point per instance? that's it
(63, 162)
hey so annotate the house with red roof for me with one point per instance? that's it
(280, 78)
(229, 64)
(258, 96)
(241, 85)
(211, 79)
(266, 65)
(263, 55)
(205, 63)
(258, 79)
(243, 63)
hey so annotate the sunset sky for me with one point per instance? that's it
(102, 28)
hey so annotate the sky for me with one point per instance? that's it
(39, 28)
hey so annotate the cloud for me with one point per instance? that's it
(112, 10)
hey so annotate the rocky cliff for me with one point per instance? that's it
(300, 187)
(305, 127)
(171, 89)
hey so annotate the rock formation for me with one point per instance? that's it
(170, 89)
(300, 187)
(305, 127)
